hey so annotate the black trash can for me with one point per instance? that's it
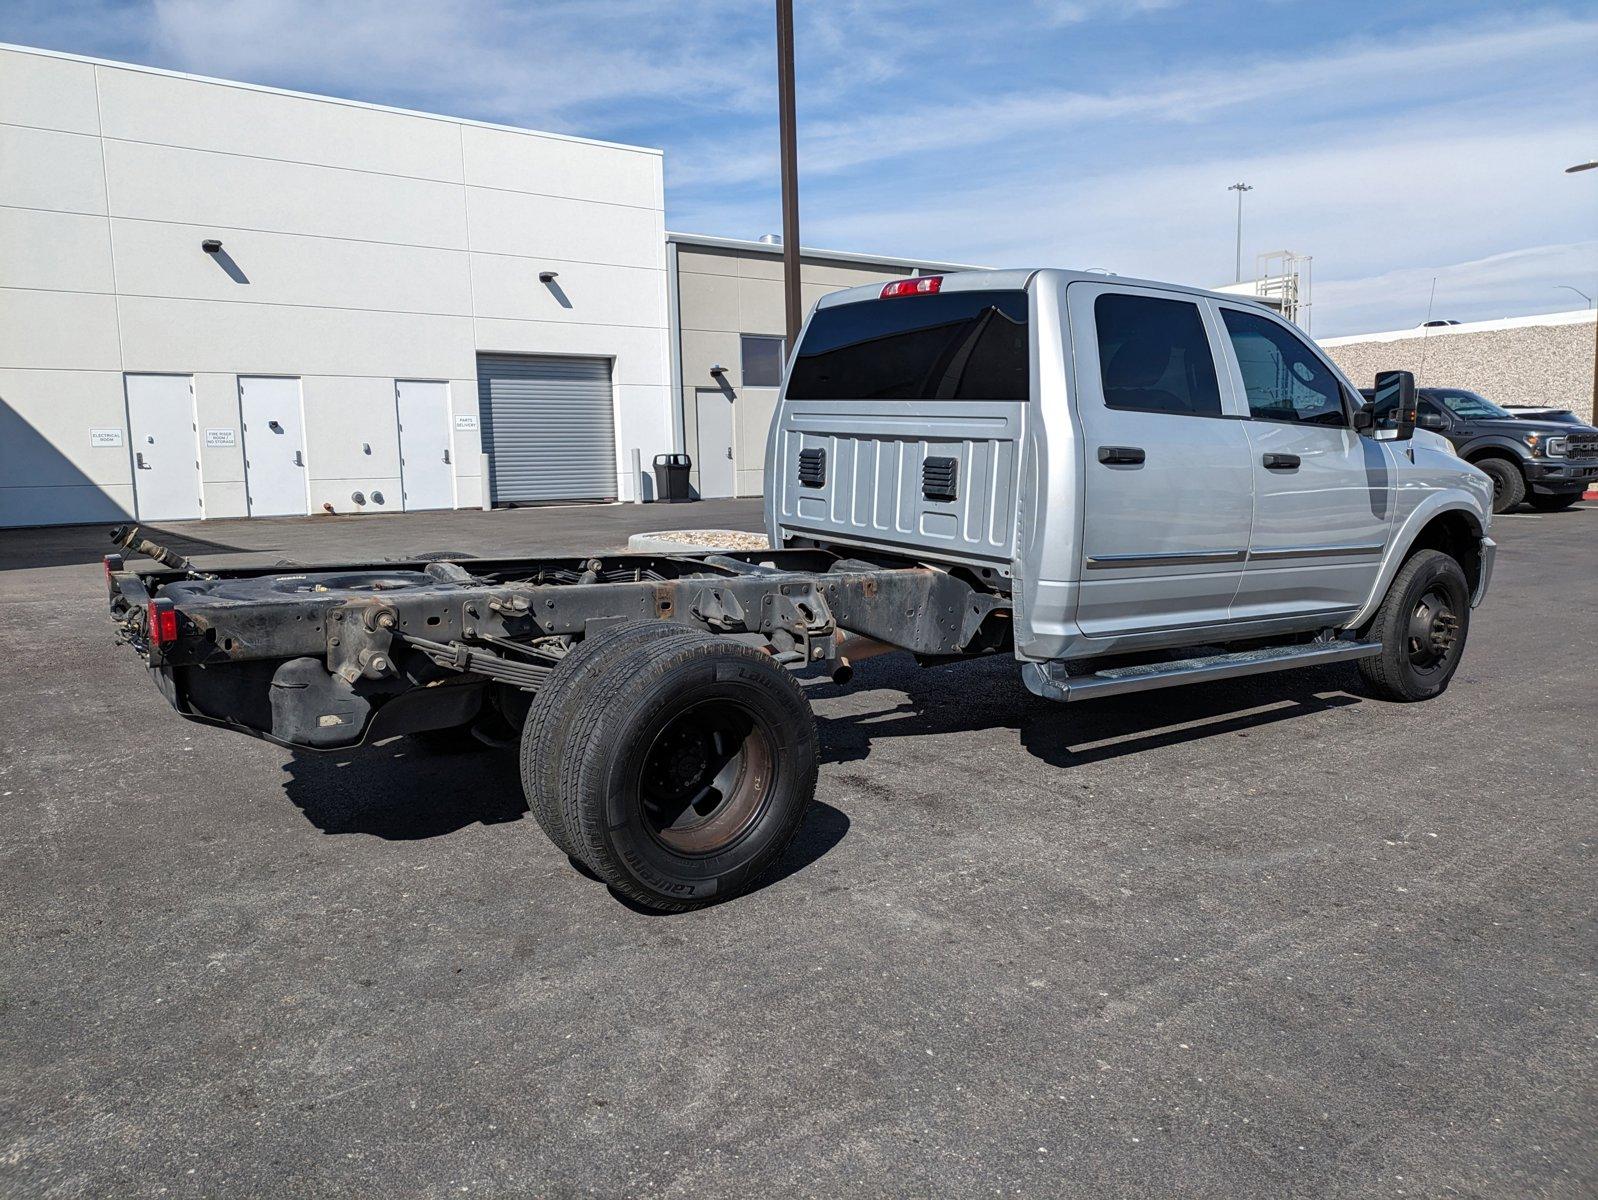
(671, 477)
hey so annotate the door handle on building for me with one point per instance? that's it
(299, 458)
(138, 457)
(446, 455)
(1281, 462)
(729, 451)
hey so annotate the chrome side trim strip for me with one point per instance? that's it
(1188, 558)
(1315, 552)
(1185, 558)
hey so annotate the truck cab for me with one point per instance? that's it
(1141, 465)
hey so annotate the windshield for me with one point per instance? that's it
(1468, 405)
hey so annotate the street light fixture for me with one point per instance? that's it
(1240, 188)
(1577, 290)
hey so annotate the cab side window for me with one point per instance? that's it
(1154, 356)
(1284, 378)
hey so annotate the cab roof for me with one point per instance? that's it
(1016, 279)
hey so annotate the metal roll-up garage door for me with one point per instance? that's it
(548, 427)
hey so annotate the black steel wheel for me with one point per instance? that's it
(685, 769)
(1422, 624)
(703, 781)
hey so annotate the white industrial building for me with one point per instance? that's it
(225, 300)
(220, 300)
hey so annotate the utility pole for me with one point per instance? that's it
(1240, 188)
(790, 173)
(1590, 165)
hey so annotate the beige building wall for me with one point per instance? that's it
(1544, 360)
(724, 292)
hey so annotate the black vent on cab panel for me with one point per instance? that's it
(940, 478)
(813, 467)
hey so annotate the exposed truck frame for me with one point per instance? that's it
(387, 638)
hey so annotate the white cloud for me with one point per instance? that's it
(1077, 132)
(1518, 281)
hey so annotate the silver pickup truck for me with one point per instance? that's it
(1123, 485)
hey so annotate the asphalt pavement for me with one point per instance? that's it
(1266, 937)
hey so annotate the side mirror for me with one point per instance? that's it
(1395, 392)
(1431, 421)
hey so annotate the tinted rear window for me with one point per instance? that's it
(1154, 356)
(946, 346)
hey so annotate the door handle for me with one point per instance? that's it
(729, 451)
(1121, 456)
(299, 458)
(446, 456)
(138, 457)
(1281, 462)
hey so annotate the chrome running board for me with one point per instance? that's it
(1052, 681)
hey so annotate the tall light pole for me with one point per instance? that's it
(1240, 188)
(790, 173)
(1588, 166)
(1578, 291)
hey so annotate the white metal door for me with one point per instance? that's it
(427, 476)
(166, 454)
(718, 474)
(1169, 493)
(274, 445)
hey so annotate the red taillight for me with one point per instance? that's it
(925, 285)
(163, 623)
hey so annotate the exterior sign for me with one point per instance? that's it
(105, 437)
(220, 437)
(465, 422)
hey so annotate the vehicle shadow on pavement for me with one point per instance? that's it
(991, 696)
(403, 791)
(824, 827)
(69, 545)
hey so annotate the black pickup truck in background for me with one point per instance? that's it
(1548, 463)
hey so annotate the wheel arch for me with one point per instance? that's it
(1442, 524)
(1475, 452)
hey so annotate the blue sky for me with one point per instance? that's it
(1395, 142)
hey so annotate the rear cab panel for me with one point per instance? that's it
(902, 422)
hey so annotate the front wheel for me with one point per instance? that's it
(686, 768)
(1543, 502)
(1509, 485)
(1421, 624)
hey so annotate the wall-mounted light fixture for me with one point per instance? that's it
(547, 276)
(717, 370)
(212, 246)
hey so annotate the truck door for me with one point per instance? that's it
(1322, 493)
(1168, 493)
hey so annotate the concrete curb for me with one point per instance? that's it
(675, 541)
